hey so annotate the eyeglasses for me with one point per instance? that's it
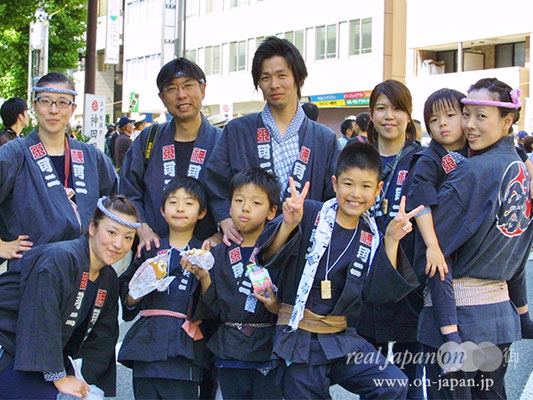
(47, 102)
(187, 87)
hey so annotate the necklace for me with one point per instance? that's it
(325, 285)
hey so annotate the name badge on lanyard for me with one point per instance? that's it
(244, 285)
(196, 162)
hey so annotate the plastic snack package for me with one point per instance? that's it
(203, 258)
(151, 275)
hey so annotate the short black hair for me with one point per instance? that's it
(260, 178)
(347, 124)
(359, 155)
(176, 68)
(191, 185)
(442, 99)
(362, 120)
(274, 46)
(11, 109)
(311, 111)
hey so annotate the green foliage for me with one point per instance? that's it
(67, 25)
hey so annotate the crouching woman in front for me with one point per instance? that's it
(62, 300)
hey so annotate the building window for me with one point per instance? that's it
(258, 41)
(510, 54)
(237, 56)
(237, 3)
(326, 42)
(213, 6)
(366, 33)
(297, 39)
(212, 60)
(193, 8)
(360, 36)
(450, 60)
(290, 36)
(191, 55)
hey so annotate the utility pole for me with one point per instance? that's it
(180, 31)
(38, 48)
(90, 56)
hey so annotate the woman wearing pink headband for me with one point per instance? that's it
(49, 183)
(483, 222)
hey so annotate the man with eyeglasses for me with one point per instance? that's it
(179, 147)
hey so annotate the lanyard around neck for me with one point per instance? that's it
(328, 269)
(391, 175)
(67, 161)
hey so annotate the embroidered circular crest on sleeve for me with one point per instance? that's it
(514, 214)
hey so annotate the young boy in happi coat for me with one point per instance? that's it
(332, 258)
(243, 343)
(165, 349)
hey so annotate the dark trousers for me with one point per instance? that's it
(240, 383)
(365, 372)
(160, 388)
(209, 383)
(413, 370)
(25, 385)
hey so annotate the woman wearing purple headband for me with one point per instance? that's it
(61, 300)
(49, 183)
(483, 222)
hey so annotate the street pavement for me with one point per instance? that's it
(518, 380)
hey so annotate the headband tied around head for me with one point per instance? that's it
(110, 215)
(38, 89)
(179, 74)
(515, 97)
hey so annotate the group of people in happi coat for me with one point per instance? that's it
(385, 241)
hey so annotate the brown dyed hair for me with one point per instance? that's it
(400, 97)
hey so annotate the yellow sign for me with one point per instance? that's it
(331, 103)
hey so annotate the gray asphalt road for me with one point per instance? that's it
(519, 370)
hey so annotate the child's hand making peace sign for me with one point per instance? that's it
(293, 207)
(401, 224)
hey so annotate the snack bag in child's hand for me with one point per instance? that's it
(260, 278)
(203, 258)
(151, 275)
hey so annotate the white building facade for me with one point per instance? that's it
(343, 43)
(149, 43)
(455, 43)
